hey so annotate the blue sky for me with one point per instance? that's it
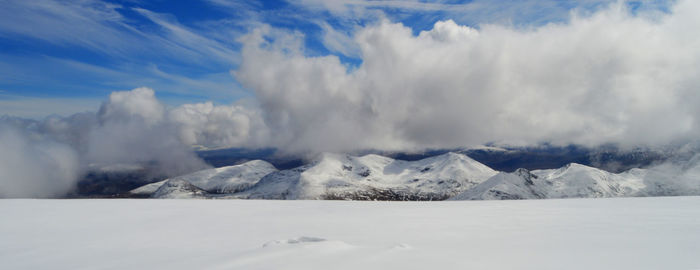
(67, 56)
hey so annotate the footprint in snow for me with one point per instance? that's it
(298, 240)
(401, 246)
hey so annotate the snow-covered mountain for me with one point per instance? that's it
(670, 180)
(373, 177)
(579, 181)
(505, 186)
(179, 189)
(224, 180)
(449, 176)
(571, 181)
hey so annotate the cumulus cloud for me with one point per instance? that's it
(204, 124)
(133, 129)
(45, 158)
(138, 104)
(613, 76)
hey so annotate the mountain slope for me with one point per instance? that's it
(580, 181)
(373, 177)
(228, 179)
(178, 189)
(518, 185)
(571, 181)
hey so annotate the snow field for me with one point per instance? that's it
(620, 233)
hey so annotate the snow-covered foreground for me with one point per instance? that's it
(621, 233)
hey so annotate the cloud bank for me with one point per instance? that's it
(610, 77)
(46, 158)
(34, 168)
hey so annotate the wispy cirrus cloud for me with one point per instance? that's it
(102, 27)
(87, 49)
(93, 82)
(475, 11)
(93, 25)
(184, 42)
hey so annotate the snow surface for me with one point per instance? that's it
(620, 233)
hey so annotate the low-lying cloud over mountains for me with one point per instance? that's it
(44, 158)
(614, 76)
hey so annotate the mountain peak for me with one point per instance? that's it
(227, 179)
(338, 176)
(178, 189)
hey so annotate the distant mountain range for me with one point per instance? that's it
(453, 176)
(500, 158)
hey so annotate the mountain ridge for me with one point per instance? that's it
(453, 176)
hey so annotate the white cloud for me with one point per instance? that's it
(180, 40)
(236, 4)
(339, 42)
(34, 168)
(528, 12)
(97, 47)
(95, 26)
(44, 158)
(605, 77)
(91, 24)
(219, 126)
(139, 103)
(132, 129)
